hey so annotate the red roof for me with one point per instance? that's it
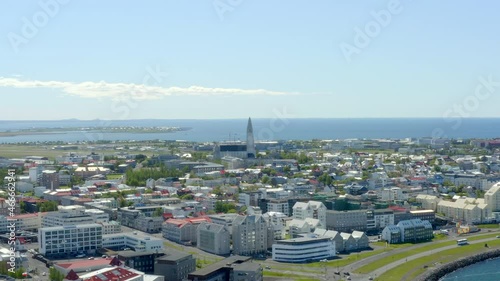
(115, 262)
(116, 273)
(79, 264)
(72, 275)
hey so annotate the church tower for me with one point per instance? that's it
(250, 140)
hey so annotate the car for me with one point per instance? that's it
(323, 260)
(498, 236)
(43, 273)
(347, 273)
(268, 267)
(91, 258)
(370, 278)
(348, 277)
(337, 272)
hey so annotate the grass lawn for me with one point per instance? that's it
(113, 176)
(386, 260)
(288, 276)
(494, 225)
(353, 257)
(413, 268)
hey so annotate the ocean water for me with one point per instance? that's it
(265, 129)
(484, 271)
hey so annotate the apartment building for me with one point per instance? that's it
(72, 239)
(428, 202)
(346, 221)
(379, 219)
(492, 197)
(224, 219)
(182, 230)
(249, 235)
(467, 210)
(213, 238)
(414, 230)
(311, 209)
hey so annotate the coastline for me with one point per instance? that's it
(438, 273)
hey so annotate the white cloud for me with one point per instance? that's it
(136, 91)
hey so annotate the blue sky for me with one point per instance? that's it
(240, 58)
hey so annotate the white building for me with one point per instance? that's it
(492, 197)
(280, 206)
(249, 235)
(392, 194)
(277, 221)
(429, 202)
(311, 209)
(74, 215)
(468, 210)
(73, 239)
(303, 249)
(135, 241)
(110, 227)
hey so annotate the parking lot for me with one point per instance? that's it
(35, 267)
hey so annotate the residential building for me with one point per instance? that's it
(72, 239)
(414, 230)
(429, 202)
(378, 219)
(110, 227)
(175, 265)
(362, 241)
(224, 219)
(492, 197)
(30, 222)
(306, 249)
(346, 221)
(182, 231)
(298, 227)
(311, 209)
(392, 234)
(50, 179)
(278, 205)
(467, 210)
(425, 215)
(214, 238)
(277, 221)
(250, 235)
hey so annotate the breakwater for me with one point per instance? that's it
(438, 273)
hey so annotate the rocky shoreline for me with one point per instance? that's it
(436, 274)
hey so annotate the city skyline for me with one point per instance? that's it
(233, 59)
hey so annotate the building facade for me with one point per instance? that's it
(214, 238)
(67, 240)
(303, 249)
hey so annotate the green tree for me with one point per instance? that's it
(158, 212)
(55, 275)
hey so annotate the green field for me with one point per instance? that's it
(410, 270)
(288, 276)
